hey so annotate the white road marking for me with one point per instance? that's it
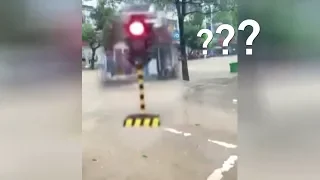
(177, 132)
(235, 101)
(224, 144)
(227, 165)
(220, 143)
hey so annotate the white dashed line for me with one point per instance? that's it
(220, 143)
(235, 101)
(227, 165)
(177, 132)
(217, 174)
(224, 144)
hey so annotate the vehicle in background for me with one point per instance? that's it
(163, 55)
(232, 48)
(195, 54)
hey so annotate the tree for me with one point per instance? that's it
(192, 27)
(91, 36)
(234, 17)
(223, 17)
(192, 41)
(202, 7)
(102, 14)
(228, 17)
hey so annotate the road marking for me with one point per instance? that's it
(220, 143)
(177, 132)
(224, 144)
(235, 101)
(227, 165)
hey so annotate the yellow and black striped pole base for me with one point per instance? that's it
(142, 119)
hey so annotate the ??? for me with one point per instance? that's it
(249, 22)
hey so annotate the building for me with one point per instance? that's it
(170, 14)
(86, 11)
(87, 7)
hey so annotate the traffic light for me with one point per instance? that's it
(139, 37)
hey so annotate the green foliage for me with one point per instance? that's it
(219, 5)
(234, 15)
(102, 14)
(224, 17)
(191, 29)
(197, 19)
(88, 33)
(228, 17)
(190, 36)
(90, 36)
(159, 3)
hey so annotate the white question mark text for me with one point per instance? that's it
(227, 40)
(256, 30)
(207, 41)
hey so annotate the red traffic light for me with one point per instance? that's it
(136, 27)
(139, 37)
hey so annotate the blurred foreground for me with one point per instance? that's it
(40, 90)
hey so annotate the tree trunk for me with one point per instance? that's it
(92, 61)
(184, 62)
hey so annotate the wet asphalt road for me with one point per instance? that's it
(197, 139)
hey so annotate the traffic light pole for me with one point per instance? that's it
(140, 77)
(139, 35)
